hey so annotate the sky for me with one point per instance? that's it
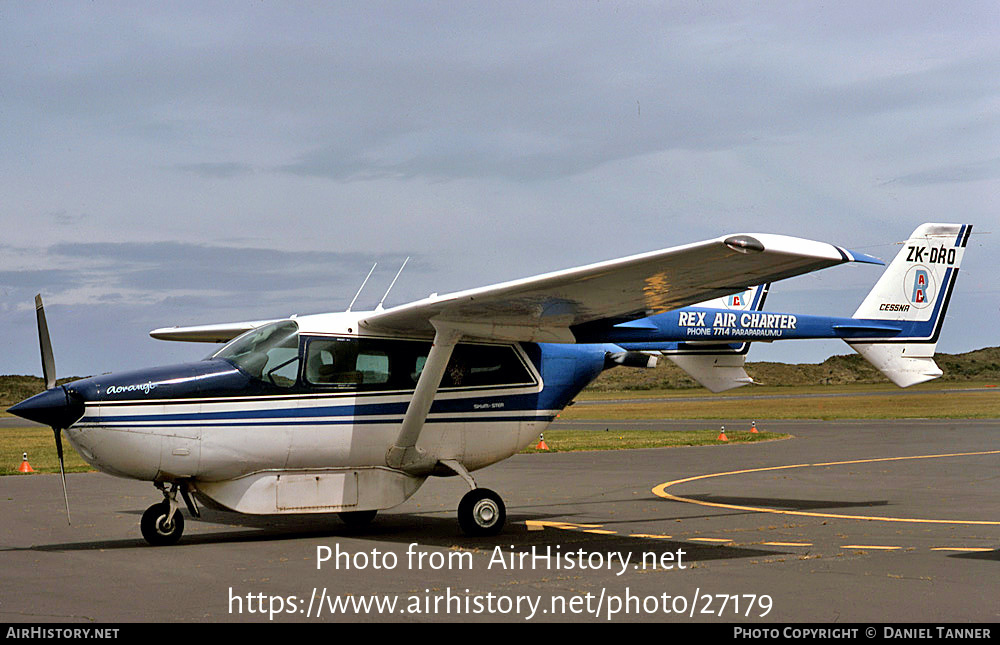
(201, 162)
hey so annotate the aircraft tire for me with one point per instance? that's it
(481, 513)
(153, 529)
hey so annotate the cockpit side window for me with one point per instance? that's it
(270, 353)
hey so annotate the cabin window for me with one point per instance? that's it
(270, 353)
(474, 365)
(392, 364)
(346, 363)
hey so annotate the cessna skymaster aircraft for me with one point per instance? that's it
(351, 412)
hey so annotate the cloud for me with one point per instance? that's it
(37, 279)
(242, 164)
(217, 170)
(202, 268)
(958, 173)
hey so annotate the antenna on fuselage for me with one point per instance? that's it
(379, 307)
(362, 286)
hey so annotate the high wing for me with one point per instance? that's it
(546, 308)
(549, 307)
(220, 333)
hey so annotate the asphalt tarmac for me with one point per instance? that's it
(856, 522)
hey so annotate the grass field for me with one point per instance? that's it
(41, 449)
(575, 440)
(931, 401)
(770, 390)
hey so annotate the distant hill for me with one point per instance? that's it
(978, 365)
(17, 388)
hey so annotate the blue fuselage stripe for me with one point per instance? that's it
(157, 422)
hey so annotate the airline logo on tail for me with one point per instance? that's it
(750, 300)
(740, 300)
(919, 285)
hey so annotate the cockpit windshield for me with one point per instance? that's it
(269, 353)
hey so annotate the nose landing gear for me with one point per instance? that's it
(162, 524)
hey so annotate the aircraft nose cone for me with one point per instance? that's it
(55, 407)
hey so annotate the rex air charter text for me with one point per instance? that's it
(733, 324)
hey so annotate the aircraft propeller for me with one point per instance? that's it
(54, 412)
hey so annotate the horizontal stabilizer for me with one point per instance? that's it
(644, 324)
(903, 364)
(717, 373)
(872, 328)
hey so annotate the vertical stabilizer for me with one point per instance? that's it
(914, 293)
(720, 367)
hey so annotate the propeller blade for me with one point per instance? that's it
(62, 470)
(49, 373)
(48, 360)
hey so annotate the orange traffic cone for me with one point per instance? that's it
(541, 443)
(722, 435)
(25, 467)
(753, 427)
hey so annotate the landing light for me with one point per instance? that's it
(744, 244)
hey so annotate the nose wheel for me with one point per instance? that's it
(162, 524)
(160, 527)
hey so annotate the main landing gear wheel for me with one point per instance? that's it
(481, 513)
(357, 519)
(155, 528)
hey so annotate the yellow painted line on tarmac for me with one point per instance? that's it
(661, 491)
(541, 525)
(962, 548)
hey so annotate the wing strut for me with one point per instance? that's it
(404, 454)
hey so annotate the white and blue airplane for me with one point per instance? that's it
(351, 412)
